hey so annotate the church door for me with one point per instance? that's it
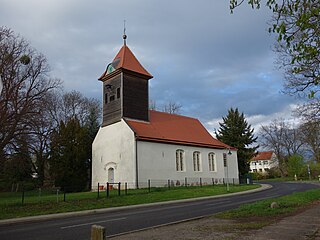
(111, 175)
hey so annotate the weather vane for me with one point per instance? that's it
(124, 33)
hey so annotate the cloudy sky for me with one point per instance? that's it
(200, 55)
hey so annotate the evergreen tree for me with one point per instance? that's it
(70, 156)
(18, 167)
(236, 132)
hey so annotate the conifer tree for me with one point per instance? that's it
(236, 132)
(70, 155)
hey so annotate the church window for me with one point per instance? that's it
(180, 163)
(118, 92)
(211, 159)
(196, 161)
(112, 98)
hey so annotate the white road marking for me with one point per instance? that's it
(90, 223)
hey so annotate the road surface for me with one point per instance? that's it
(122, 221)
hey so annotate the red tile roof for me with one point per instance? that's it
(176, 129)
(129, 62)
(263, 156)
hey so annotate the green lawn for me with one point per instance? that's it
(261, 210)
(38, 203)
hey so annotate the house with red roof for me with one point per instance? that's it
(136, 145)
(263, 161)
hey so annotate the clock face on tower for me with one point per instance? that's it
(113, 66)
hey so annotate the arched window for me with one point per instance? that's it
(212, 159)
(180, 163)
(196, 161)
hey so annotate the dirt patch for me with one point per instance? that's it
(204, 229)
(211, 228)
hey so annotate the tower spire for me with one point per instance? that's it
(124, 33)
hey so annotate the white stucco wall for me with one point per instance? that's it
(157, 161)
(262, 165)
(113, 147)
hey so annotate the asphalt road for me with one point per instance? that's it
(118, 222)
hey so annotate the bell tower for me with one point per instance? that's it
(125, 88)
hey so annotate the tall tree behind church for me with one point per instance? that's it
(236, 132)
(69, 162)
(24, 74)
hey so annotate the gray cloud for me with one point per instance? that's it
(200, 55)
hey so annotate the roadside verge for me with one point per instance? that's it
(106, 210)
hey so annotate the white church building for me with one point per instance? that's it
(135, 145)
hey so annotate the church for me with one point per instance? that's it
(137, 146)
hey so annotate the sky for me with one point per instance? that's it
(201, 56)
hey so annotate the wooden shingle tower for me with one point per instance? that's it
(125, 88)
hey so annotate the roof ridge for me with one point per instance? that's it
(173, 114)
(117, 56)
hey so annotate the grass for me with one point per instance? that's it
(259, 214)
(280, 179)
(48, 203)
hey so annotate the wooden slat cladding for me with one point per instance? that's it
(135, 97)
(111, 102)
(134, 94)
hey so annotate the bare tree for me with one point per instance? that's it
(64, 106)
(310, 129)
(58, 107)
(310, 134)
(172, 107)
(283, 139)
(25, 85)
(309, 111)
(169, 107)
(32, 105)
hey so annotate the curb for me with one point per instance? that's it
(106, 210)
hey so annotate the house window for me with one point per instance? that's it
(180, 163)
(112, 98)
(118, 92)
(265, 162)
(211, 159)
(196, 161)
